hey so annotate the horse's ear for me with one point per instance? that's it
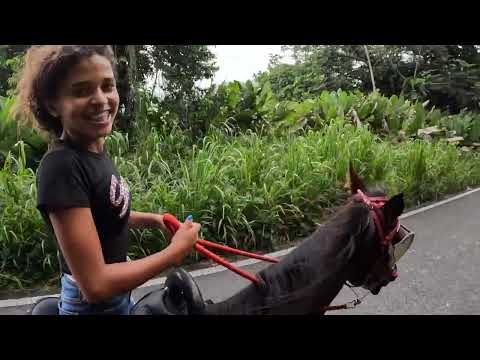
(393, 208)
(355, 182)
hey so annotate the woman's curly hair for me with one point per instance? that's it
(45, 67)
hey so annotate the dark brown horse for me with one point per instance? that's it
(356, 246)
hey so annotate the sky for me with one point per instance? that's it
(241, 62)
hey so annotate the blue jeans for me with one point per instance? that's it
(72, 302)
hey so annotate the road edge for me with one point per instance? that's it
(216, 269)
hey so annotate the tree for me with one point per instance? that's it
(10, 56)
(178, 66)
(181, 68)
(447, 75)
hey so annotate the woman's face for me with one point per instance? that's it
(87, 101)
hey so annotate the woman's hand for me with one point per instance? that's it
(158, 220)
(142, 220)
(184, 240)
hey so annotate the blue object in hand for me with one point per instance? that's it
(190, 217)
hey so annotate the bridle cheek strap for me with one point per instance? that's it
(375, 203)
(385, 240)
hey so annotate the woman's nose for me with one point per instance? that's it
(99, 97)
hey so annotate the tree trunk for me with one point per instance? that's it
(370, 67)
(132, 86)
(126, 84)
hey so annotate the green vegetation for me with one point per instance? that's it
(257, 168)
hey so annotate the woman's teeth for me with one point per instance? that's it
(100, 117)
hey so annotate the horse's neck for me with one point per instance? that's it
(307, 279)
(314, 273)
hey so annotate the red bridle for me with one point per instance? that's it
(374, 203)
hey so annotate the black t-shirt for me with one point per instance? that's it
(71, 177)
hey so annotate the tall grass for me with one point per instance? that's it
(26, 253)
(259, 192)
(250, 191)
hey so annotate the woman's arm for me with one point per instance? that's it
(78, 239)
(142, 220)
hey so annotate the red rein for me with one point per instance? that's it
(173, 224)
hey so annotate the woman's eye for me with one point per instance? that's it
(109, 87)
(80, 92)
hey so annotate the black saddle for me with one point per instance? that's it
(179, 296)
(46, 306)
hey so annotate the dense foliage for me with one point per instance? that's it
(258, 164)
(446, 75)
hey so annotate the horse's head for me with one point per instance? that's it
(382, 241)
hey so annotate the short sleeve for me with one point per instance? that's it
(61, 183)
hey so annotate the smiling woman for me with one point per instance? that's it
(87, 101)
(70, 91)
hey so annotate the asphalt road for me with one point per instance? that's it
(439, 275)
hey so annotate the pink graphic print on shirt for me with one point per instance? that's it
(123, 194)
